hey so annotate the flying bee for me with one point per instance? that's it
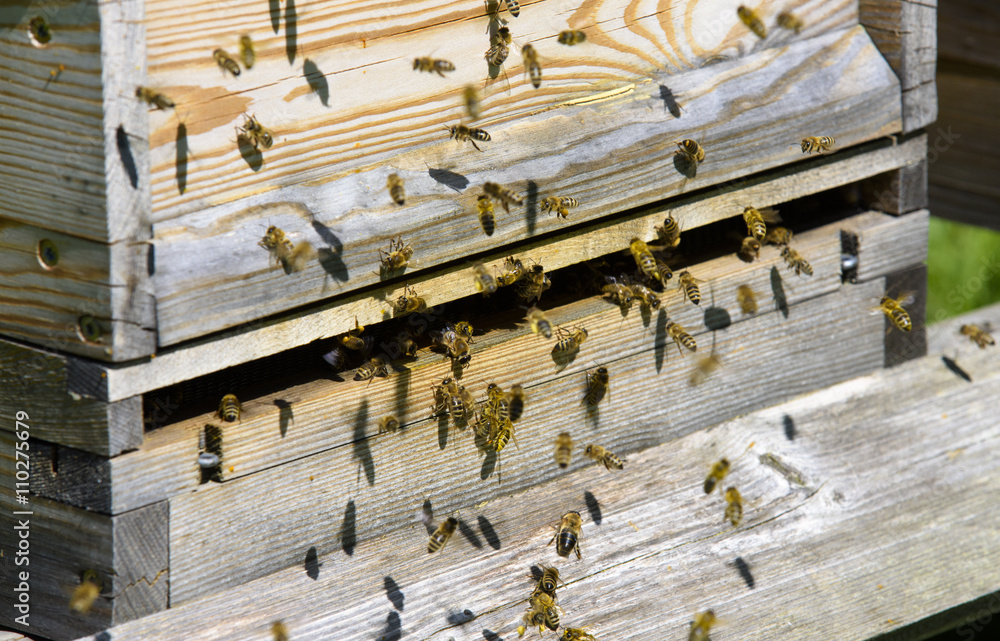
(734, 506)
(605, 457)
(484, 281)
(388, 424)
(538, 322)
(559, 205)
(718, 472)
(534, 283)
(470, 96)
(669, 233)
(398, 256)
(572, 37)
(644, 258)
(893, 309)
(462, 133)
(703, 621)
(499, 47)
(279, 631)
(432, 65)
(564, 449)
(247, 52)
(513, 7)
(703, 369)
(408, 303)
(352, 339)
(676, 333)
(230, 409)
(376, 366)
(256, 133)
(397, 191)
(978, 335)
(597, 386)
(84, 595)
(567, 537)
(515, 401)
(503, 195)
(225, 62)
(512, 271)
(788, 21)
(753, 21)
(665, 272)
(531, 66)
(796, 262)
(442, 534)
(154, 98)
(778, 236)
(819, 144)
(755, 220)
(648, 300)
(576, 634)
(691, 151)
(292, 257)
(747, 299)
(690, 288)
(488, 220)
(569, 341)
(749, 250)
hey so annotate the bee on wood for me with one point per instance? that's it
(753, 21)
(352, 339)
(676, 333)
(39, 30)
(703, 622)
(564, 449)
(534, 283)
(442, 534)
(84, 595)
(461, 404)
(515, 402)
(432, 65)
(488, 220)
(225, 62)
(691, 151)
(545, 604)
(406, 345)
(576, 634)
(572, 37)
(734, 506)
(230, 409)
(788, 21)
(502, 195)
(279, 631)
(644, 258)
(703, 369)
(665, 272)
(465, 330)
(978, 335)
(747, 299)
(755, 220)
(718, 472)
(462, 133)
(669, 233)
(538, 322)
(605, 457)
(443, 394)
(893, 309)
(687, 284)
(778, 236)
(559, 204)
(531, 66)
(484, 281)
(154, 98)
(513, 270)
(397, 191)
(618, 293)
(549, 581)
(258, 135)
(796, 262)
(499, 47)
(292, 257)
(408, 303)
(454, 345)
(569, 341)
(749, 250)
(597, 386)
(648, 300)
(398, 256)
(376, 366)
(388, 424)
(496, 403)
(470, 96)
(819, 144)
(567, 537)
(247, 52)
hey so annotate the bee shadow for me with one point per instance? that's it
(593, 507)
(449, 179)
(395, 595)
(252, 155)
(489, 465)
(285, 415)
(956, 369)
(789, 425)
(181, 157)
(744, 570)
(362, 451)
(660, 339)
(291, 30)
(274, 9)
(488, 532)
(469, 534)
(778, 291)
(393, 630)
(531, 207)
(684, 166)
(461, 618)
(348, 531)
(593, 415)
(490, 635)
(332, 263)
(125, 152)
(443, 430)
(717, 318)
(563, 360)
(317, 81)
(312, 563)
(669, 101)
(427, 516)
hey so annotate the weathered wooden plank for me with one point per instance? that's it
(969, 31)
(899, 191)
(945, 337)
(890, 523)
(887, 243)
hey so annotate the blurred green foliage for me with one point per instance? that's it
(963, 269)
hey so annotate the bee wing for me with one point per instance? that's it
(906, 298)
(770, 215)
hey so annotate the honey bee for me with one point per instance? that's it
(691, 151)
(497, 404)
(548, 582)
(396, 189)
(503, 195)
(670, 232)
(755, 219)
(247, 52)
(665, 272)
(226, 62)
(398, 256)
(462, 133)
(531, 66)
(749, 250)
(734, 506)
(559, 204)
(442, 534)
(432, 65)
(499, 47)
(513, 7)
(470, 96)
(572, 37)
(406, 345)
(597, 386)
(388, 424)
(778, 236)
(464, 329)
(618, 293)
(676, 333)
(576, 634)
(703, 621)
(893, 309)
(352, 339)
(569, 341)
(747, 299)
(819, 144)
(154, 98)
(230, 409)
(703, 369)
(488, 220)
(461, 404)
(484, 281)
(718, 472)
(450, 399)
(605, 457)
(796, 262)
(515, 401)
(753, 21)
(567, 537)
(292, 257)
(256, 133)
(454, 346)
(538, 322)
(408, 303)
(545, 604)
(644, 258)
(513, 271)
(279, 631)
(648, 300)
(84, 595)
(564, 449)
(978, 335)
(376, 366)
(690, 288)
(788, 21)
(534, 283)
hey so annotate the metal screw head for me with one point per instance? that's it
(848, 262)
(207, 460)
(48, 253)
(89, 329)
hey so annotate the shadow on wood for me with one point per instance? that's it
(125, 152)
(789, 424)
(362, 451)
(778, 291)
(489, 533)
(393, 630)
(593, 507)
(395, 595)
(252, 155)
(312, 563)
(348, 531)
(449, 179)
(291, 30)
(469, 534)
(669, 102)
(317, 81)
(285, 415)
(181, 157)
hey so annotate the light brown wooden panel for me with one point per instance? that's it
(888, 243)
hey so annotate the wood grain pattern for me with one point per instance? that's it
(887, 243)
(891, 524)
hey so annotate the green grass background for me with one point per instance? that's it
(963, 269)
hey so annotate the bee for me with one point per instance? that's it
(734, 506)
(703, 369)
(559, 204)
(690, 288)
(703, 621)
(691, 151)
(665, 272)
(978, 335)
(84, 595)
(513, 271)
(545, 604)
(747, 299)
(396, 189)
(534, 283)
(753, 21)
(406, 345)
(247, 52)
(226, 62)
(39, 30)
(597, 386)
(618, 293)
(515, 401)
(648, 300)
(548, 582)
(352, 339)
(644, 258)
(605, 457)
(749, 250)
(230, 409)
(788, 21)
(569, 341)
(564, 449)
(398, 256)
(432, 65)
(256, 133)
(718, 472)
(499, 47)
(408, 303)
(894, 310)
(819, 144)
(676, 333)
(443, 395)
(464, 329)
(456, 347)
(538, 322)
(503, 195)
(567, 537)
(796, 261)
(669, 233)
(488, 220)
(484, 281)
(462, 133)
(292, 257)
(513, 7)
(572, 37)
(376, 366)
(778, 236)
(470, 96)
(755, 219)
(442, 534)
(496, 404)
(154, 98)
(279, 631)
(531, 66)
(576, 634)
(461, 404)
(388, 424)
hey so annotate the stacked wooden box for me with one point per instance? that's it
(135, 292)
